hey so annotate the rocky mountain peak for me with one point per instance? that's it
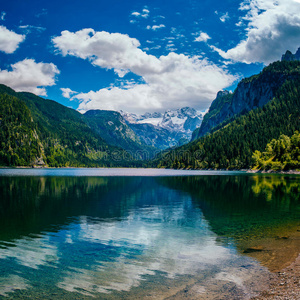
(222, 94)
(289, 56)
(173, 126)
(251, 93)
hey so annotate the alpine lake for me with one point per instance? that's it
(144, 233)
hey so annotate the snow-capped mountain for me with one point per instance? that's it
(173, 128)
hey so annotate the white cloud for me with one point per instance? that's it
(29, 28)
(203, 37)
(136, 14)
(107, 50)
(171, 47)
(144, 14)
(66, 92)
(9, 40)
(155, 27)
(29, 76)
(224, 17)
(272, 27)
(170, 81)
(2, 16)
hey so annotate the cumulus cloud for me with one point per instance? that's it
(136, 14)
(144, 14)
(29, 76)
(155, 27)
(203, 37)
(272, 27)
(66, 92)
(9, 40)
(107, 50)
(170, 81)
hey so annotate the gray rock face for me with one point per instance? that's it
(250, 93)
(111, 126)
(155, 136)
(289, 56)
(173, 128)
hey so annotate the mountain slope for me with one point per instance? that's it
(19, 142)
(171, 129)
(111, 126)
(250, 93)
(231, 146)
(65, 136)
(154, 136)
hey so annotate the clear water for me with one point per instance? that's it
(83, 233)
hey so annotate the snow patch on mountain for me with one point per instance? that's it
(179, 124)
(153, 121)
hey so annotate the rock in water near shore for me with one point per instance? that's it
(254, 249)
(282, 237)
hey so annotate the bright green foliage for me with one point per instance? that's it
(19, 142)
(280, 154)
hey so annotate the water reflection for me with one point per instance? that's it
(92, 235)
(243, 206)
(9, 284)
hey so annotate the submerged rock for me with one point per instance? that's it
(254, 249)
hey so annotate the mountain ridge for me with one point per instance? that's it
(65, 136)
(251, 93)
(165, 130)
(231, 144)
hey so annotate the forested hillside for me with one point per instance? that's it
(232, 144)
(111, 126)
(35, 131)
(19, 141)
(253, 92)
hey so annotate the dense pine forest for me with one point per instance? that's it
(39, 132)
(231, 145)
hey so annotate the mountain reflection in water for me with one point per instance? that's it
(136, 236)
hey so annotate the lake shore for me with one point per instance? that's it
(279, 254)
(273, 172)
(250, 171)
(284, 284)
(283, 260)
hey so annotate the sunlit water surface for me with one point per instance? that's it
(81, 233)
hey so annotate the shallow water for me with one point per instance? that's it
(82, 233)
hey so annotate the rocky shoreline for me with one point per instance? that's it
(284, 285)
(282, 257)
(274, 172)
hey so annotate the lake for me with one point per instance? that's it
(143, 233)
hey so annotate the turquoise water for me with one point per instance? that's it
(83, 233)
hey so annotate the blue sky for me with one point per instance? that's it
(140, 56)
